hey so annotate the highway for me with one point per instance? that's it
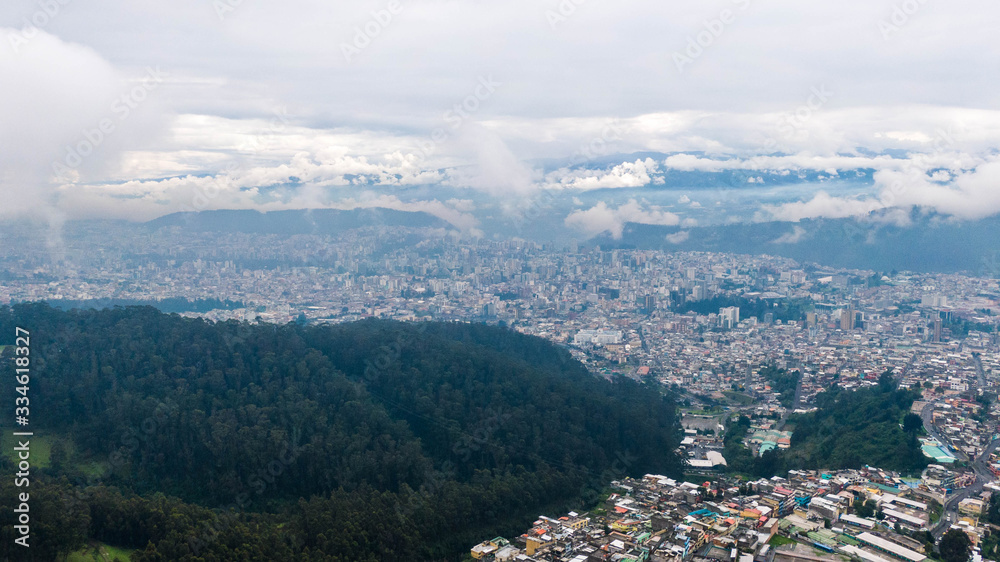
(979, 466)
(983, 477)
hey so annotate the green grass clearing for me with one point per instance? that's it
(40, 446)
(41, 453)
(779, 540)
(100, 552)
(738, 397)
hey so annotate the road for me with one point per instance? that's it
(795, 404)
(983, 474)
(926, 415)
(983, 477)
(980, 375)
(748, 383)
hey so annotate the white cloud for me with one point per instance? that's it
(793, 237)
(360, 123)
(678, 237)
(969, 195)
(626, 174)
(822, 205)
(495, 169)
(602, 218)
(55, 99)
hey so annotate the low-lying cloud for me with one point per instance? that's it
(603, 218)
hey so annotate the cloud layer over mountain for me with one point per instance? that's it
(222, 104)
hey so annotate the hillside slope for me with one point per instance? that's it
(359, 441)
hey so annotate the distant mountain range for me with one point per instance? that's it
(928, 243)
(931, 243)
(308, 221)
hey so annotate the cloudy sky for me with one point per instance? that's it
(138, 109)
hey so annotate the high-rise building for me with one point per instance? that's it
(698, 292)
(729, 317)
(847, 318)
(811, 319)
(936, 301)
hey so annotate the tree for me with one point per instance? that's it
(912, 422)
(993, 510)
(955, 546)
(378, 423)
(58, 456)
(863, 508)
(887, 382)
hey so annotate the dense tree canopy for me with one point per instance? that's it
(850, 429)
(955, 546)
(783, 382)
(370, 441)
(856, 428)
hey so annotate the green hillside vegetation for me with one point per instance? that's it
(849, 429)
(98, 552)
(164, 305)
(855, 428)
(369, 441)
(41, 449)
(782, 382)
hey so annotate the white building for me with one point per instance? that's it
(597, 337)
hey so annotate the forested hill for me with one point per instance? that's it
(369, 441)
(854, 428)
(849, 429)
